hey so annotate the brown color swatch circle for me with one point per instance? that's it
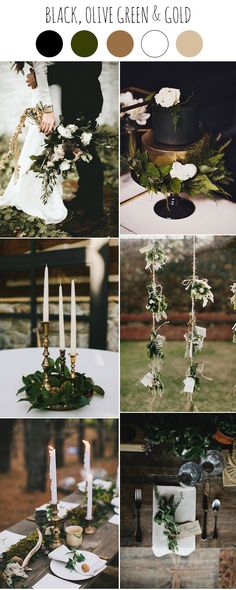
(120, 43)
(189, 43)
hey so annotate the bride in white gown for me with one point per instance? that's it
(25, 191)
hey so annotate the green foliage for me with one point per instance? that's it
(180, 440)
(20, 549)
(66, 392)
(227, 425)
(166, 516)
(211, 177)
(155, 345)
(18, 224)
(74, 559)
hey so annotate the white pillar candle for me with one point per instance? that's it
(61, 321)
(89, 496)
(45, 296)
(86, 456)
(53, 475)
(73, 320)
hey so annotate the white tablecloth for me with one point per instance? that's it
(137, 215)
(102, 366)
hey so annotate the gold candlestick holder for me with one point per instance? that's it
(57, 540)
(90, 529)
(62, 361)
(72, 365)
(46, 356)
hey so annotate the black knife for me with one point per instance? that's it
(205, 508)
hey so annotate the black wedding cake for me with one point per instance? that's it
(175, 125)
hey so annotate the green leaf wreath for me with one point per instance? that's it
(211, 176)
(65, 393)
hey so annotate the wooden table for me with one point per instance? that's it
(104, 543)
(136, 469)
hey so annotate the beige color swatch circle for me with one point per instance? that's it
(189, 43)
(120, 43)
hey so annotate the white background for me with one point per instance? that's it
(22, 20)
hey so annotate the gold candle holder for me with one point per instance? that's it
(62, 361)
(72, 365)
(57, 540)
(90, 529)
(46, 356)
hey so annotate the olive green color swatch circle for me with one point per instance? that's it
(84, 43)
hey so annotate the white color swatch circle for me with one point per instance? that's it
(155, 43)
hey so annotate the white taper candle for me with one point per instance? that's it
(53, 475)
(45, 296)
(73, 320)
(89, 496)
(61, 321)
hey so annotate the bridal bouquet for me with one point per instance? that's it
(62, 149)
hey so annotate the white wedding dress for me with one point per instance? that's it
(25, 191)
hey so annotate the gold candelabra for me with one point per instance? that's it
(56, 530)
(46, 356)
(62, 361)
(72, 365)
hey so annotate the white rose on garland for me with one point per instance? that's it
(183, 171)
(201, 290)
(167, 97)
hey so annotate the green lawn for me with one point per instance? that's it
(214, 396)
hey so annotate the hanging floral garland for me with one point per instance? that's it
(155, 259)
(233, 302)
(200, 291)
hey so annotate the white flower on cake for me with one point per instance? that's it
(168, 97)
(64, 166)
(86, 138)
(139, 114)
(183, 171)
(68, 131)
(126, 99)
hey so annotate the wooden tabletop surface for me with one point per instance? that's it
(139, 470)
(104, 542)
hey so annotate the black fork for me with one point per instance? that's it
(138, 504)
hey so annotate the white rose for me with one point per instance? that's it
(64, 166)
(183, 171)
(86, 138)
(167, 97)
(126, 98)
(50, 165)
(64, 132)
(72, 128)
(139, 114)
(58, 153)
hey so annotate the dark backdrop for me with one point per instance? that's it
(214, 86)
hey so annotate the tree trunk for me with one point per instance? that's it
(59, 427)
(6, 434)
(37, 436)
(101, 437)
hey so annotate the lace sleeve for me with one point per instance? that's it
(41, 70)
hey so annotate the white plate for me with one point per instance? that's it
(60, 570)
(186, 512)
(115, 502)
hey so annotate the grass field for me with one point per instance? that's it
(219, 359)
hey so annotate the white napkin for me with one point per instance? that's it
(185, 512)
(50, 581)
(97, 483)
(7, 539)
(62, 553)
(114, 519)
(63, 507)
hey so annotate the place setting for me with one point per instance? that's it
(70, 537)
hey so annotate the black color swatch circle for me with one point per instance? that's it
(49, 43)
